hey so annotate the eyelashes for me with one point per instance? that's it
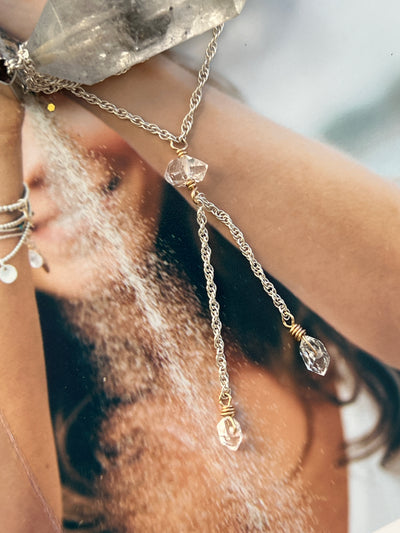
(113, 184)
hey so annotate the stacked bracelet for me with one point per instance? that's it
(19, 228)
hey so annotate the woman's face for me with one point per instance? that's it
(95, 201)
(86, 184)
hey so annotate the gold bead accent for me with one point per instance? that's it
(51, 107)
(297, 331)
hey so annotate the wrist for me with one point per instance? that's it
(11, 188)
(12, 116)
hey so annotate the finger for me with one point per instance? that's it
(11, 111)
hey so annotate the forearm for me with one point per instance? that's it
(23, 386)
(325, 226)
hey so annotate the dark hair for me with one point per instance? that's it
(77, 407)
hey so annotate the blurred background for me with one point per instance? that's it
(329, 70)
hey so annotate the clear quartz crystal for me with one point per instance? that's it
(35, 259)
(180, 171)
(8, 273)
(230, 432)
(314, 354)
(89, 41)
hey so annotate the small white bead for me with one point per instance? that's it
(8, 273)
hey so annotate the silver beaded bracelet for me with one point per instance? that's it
(21, 228)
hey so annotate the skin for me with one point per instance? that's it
(140, 189)
(286, 426)
(330, 213)
(347, 261)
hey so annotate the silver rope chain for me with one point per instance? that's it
(228, 428)
(46, 84)
(247, 252)
(214, 307)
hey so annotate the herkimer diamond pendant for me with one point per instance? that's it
(314, 354)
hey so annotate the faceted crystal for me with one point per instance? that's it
(230, 432)
(180, 171)
(89, 41)
(8, 273)
(35, 259)
(314, 354)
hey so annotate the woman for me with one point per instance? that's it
(153, 422)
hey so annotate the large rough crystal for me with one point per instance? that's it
(180, 171)
(230, 432)
(88, 41)
(315, 355)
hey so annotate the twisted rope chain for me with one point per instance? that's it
(46, 84)
(247, 252)
(228, 429)
(214, 307)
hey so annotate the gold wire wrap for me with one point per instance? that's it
(227, 411)
(297, 331)
(180, 147)
(181, 152)
(226, 407)
(192, 186)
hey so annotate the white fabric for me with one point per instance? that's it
(394, 527)
(374, 492)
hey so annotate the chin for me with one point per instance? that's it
(70, 279)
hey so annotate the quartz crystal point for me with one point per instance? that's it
(230, 432)
(88, 41)
(314, 354)
(180, 171)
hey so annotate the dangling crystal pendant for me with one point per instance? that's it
(314, 354)
(230, 432)
(8, 273)
(35, 259)
(185, 168)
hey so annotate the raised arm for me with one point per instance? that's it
(322, 224)
(325, 226)
(23, 386)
